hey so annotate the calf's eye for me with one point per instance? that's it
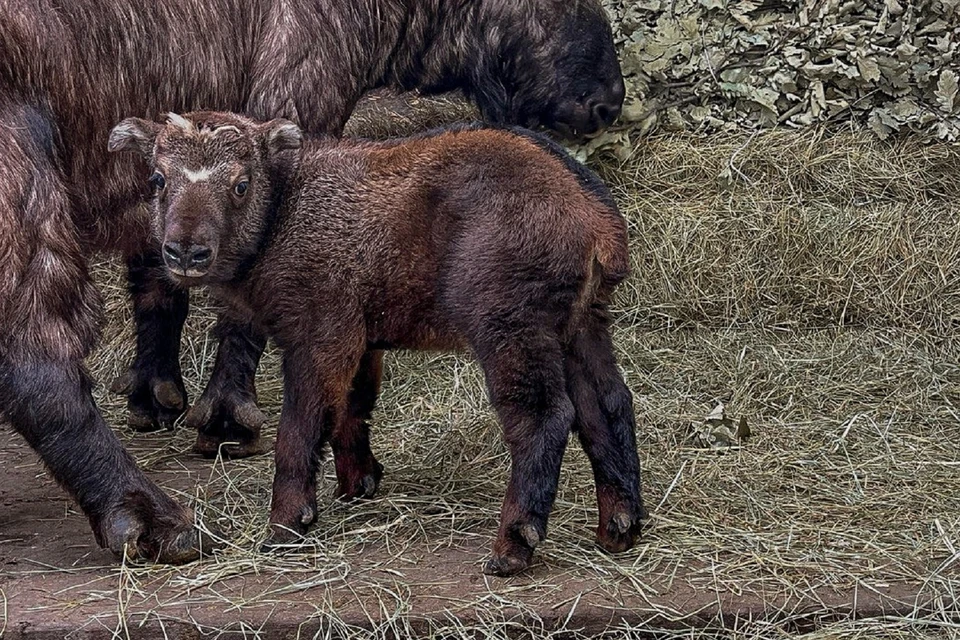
(158, 181)
(241, 188)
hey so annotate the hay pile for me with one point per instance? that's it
(808, 282)
(793, 231)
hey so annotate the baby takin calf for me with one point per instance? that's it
(487, 239)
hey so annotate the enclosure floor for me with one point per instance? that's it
(57, 583)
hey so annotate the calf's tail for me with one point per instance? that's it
(610, 249)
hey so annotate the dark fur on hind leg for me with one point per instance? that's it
(605, 426)
(526, 383)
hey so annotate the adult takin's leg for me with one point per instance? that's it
(606, 427)
(316, 385)
(525, 379)
(153, 385)
(49, 321)
(226, 415)
(47, 399)
(358, 472)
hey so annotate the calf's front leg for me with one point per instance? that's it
(358, 472)
(316, 384)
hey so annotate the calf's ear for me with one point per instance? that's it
(282, 135)
(134, 134)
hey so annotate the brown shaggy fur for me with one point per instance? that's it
(70, 70)
(471, 237)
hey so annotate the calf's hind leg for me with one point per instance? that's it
(358, 472)
(525, 379)
(606, 427)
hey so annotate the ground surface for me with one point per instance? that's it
(56, 581)
(807, 283)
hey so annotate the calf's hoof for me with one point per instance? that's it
(505, 566)
(168, 537)
(354, 482)
(154, 402)
(278, 543)
(228, 423)
(287, 534)
(513, 554)
(620, 532)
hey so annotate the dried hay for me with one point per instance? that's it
(793, 231)
(807, 281)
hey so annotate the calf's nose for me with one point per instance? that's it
(186, 257)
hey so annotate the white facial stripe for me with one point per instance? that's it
(226, 127)
(196, 176)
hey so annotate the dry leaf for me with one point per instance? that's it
(747, 64)
(718, 430)
(947, 91)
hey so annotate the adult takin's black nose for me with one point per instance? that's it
(605, 108)
(192, 257)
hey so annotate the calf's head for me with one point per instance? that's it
(214, 177)
(549, 63)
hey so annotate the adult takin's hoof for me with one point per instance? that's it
(164, 539)
(620, 532)
(241, 445)
(358, 482)
(154, 402)
(228, 423)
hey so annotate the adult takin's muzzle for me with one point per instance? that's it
(593, 111)
(605, 107)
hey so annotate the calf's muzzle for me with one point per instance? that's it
(188, 259)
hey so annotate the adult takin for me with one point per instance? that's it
(70, 70)
(487, 239)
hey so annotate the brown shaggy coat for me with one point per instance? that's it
(485, 239)
(69, 70)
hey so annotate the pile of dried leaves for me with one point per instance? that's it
(707, 65)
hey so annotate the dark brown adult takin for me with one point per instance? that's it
(70, 70)
(487, 239)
